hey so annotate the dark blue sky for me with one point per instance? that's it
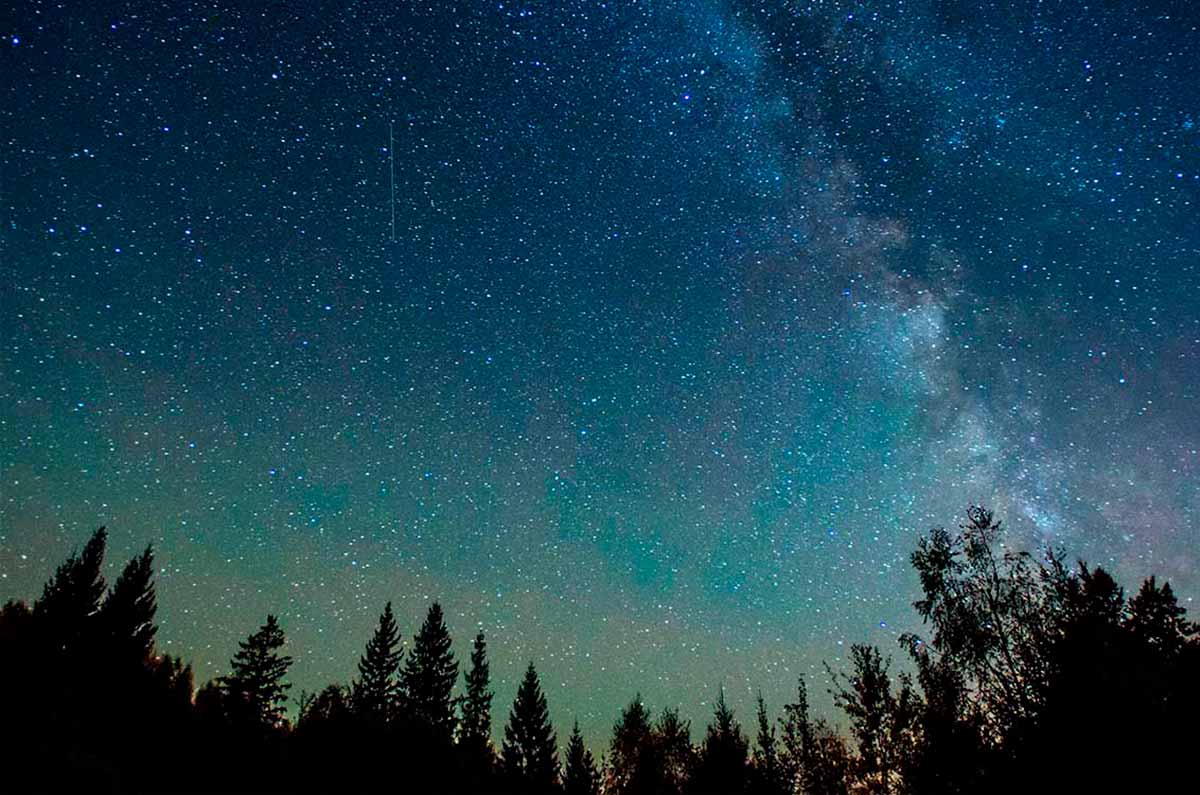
(697, 315)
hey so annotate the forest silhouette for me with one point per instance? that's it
(1033, 675)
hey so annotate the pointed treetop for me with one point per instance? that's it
(376, 692)
(129, 609)
(530, 751)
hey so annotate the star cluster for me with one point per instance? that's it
(693, 317)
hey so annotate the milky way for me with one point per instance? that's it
(696, 316)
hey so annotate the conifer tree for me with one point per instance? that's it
(721, 767)
(768, 775)
(631, 738)
(1156, 619)
(255, 689)
(530, 754)
(475, 729)
(71, 599)
(128, 610)
(428, 678)
(796, 738)
(580, 776)
(668, 761)
(374, 695)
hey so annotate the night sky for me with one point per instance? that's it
(697, 314)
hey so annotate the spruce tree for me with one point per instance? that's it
(375, 694)
(722, 767)
(71, 599)
(475, 729)
(530, 754)
(428, 678)
(768, 775)
(128, 610)
(1157, 620)
(670, 760)
(580, 776)
(255, 689)
(631, 740)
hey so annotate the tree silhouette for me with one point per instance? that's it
(630, 741)
(427, 680)
(988, 613)
(1157, 620)
(948, 755)
(768, 776)
(1034, 668)
(255, 690)
(330, 707)
(475, 728)
(71, 599)
(529, 754)
(813, 759)
(375, 694)
(880, 721)
(722, 763)
(129, 609)
(671, 757)
(795, 738)
(580, 776)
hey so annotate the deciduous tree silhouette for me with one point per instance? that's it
(987, 609)
(882, 722)
(529, 753)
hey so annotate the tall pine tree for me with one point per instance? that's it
(630, 746)
(375, 693)
(71, 599)
(769, 777)
(475, 728)
(722, 765)
(428, 678)
(255, 689)
(530, 754)
(128, 611)
(580, 776)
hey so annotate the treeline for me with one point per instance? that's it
(1035, 675)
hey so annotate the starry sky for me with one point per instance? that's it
(693, 317)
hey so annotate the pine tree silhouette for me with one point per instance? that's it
(129, 609)
(630, 740)
(768, 778)
(475, 728)
(670, 759)
(71, 599)
(255, 689)
(427, 680)
(376, 692)
(722, 765)
(1156, 619)
(530, 754)
(580, 776)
